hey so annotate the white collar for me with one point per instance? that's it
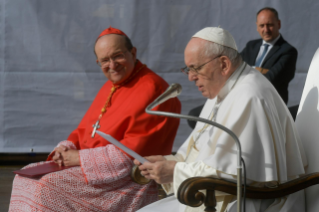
(271, 43)
(230, 83)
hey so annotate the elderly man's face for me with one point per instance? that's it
(117, 62)
(209, 79)
(268, 25)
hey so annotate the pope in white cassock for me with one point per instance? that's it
(243, 100)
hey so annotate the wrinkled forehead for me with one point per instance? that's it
(111, 43)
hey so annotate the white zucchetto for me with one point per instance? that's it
(217, 35)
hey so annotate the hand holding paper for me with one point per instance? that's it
(158, 169)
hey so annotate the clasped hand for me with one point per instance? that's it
(158, 169)
(262, 70)
(66, 157)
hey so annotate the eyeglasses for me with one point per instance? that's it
(117, 58)
(186, 69)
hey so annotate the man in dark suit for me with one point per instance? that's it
(274, 57)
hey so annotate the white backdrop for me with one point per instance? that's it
(48, 74)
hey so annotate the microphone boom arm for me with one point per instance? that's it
(181, 116)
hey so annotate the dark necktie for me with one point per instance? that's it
(258, 62)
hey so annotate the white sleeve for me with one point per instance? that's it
(184, 171)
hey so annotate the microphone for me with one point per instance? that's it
(172, 91)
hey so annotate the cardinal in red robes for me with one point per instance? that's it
(100, 180)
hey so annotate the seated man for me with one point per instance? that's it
(244, 101)
(277, 62)
(272, 55)
(101, 179)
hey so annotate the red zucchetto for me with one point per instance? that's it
(111, 30)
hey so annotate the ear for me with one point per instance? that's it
(279, 24)
(225, 65)
(133, 52)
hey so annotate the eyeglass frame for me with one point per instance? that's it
(186, 69)
(111, 59)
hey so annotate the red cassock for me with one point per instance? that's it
(126, 120)
(102, 182)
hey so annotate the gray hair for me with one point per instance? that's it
(213, 49)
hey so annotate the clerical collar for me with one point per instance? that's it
(271, 43)
(230, 83)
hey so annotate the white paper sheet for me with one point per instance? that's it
(122, 147)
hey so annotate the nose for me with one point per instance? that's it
(113, 64)
(266, 29)
(192, 76)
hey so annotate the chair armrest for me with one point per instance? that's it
(189, 194)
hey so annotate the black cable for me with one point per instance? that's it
(244, 193)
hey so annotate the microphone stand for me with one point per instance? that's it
(181, 116)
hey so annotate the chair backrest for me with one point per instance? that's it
(307, 122)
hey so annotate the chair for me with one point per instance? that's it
(307, 122)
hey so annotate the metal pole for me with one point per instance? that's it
(181, 116)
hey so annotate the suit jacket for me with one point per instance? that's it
(281, 62)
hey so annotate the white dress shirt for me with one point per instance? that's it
(271, 44)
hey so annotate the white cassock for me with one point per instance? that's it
(251, 107)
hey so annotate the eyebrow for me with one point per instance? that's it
(103, 58)
(265, 24)
(193, 65)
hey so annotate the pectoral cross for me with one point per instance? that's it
(95, 127)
